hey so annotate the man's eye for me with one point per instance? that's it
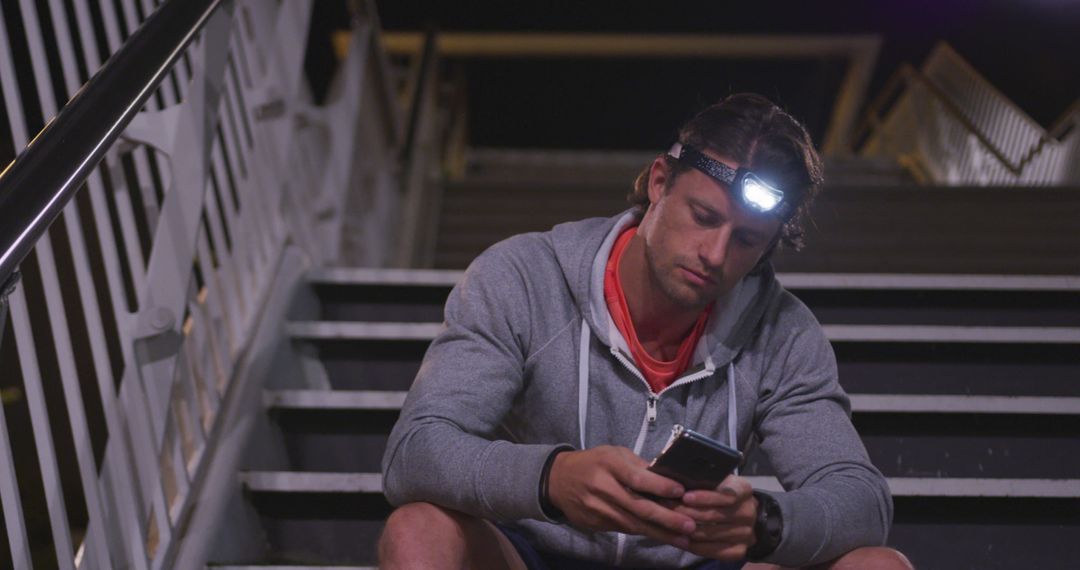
(703, 219)
(747, 241)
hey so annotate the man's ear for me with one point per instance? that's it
(659, 176)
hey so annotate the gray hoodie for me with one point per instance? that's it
(529, 359)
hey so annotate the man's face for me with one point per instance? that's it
(699, 239)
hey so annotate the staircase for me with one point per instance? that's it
(184, 380)
(963, 388)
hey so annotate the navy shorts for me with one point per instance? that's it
(538, 560)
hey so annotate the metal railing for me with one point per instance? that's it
(135, 307)
(422, 188)
(952, 127)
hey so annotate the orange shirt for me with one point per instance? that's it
(658, 373)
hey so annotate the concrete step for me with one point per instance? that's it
(373, 276)
(952, 334)
(287, 567)
(306, 482)
(329, 330)
(852, 299)
(334, 330)
(371, 483)
(944, 282)
(1026, 521)
(367, 400)
(872, 359)
(957, 436)
(317, 519)
(358, 400)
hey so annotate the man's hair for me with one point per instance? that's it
(752, 131)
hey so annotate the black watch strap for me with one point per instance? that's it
(768, 528)
(549, 508)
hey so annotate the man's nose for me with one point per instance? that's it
(714, 250)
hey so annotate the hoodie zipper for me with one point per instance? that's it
(650, 419)
(654, 398)
(650, 413)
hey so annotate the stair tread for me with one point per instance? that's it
(866, 403)
(328, 330)
(345, 330)
(291, 481)
(888, 281)
(311, 482)
(948, 282)
(285, 567)
(375, 276)
(912, 403)
(335, 399)
(951, 333)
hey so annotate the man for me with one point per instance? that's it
(567, 357)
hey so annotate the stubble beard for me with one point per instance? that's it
(670, 283)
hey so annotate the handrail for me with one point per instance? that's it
(904, 76)
(907, 74)
(43, 178)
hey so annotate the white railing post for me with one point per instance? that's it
(247, 164)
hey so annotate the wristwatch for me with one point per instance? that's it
(768, 528)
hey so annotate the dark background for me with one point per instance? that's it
(1027, 48)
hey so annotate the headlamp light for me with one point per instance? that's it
(756, 194)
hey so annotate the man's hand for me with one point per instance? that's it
(725, 518)
(598, 489)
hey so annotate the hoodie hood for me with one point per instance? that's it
(582, 250)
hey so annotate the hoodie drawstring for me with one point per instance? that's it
(583, 380)
(732, 411)
(583, 392)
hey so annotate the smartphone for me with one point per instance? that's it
(694, 460)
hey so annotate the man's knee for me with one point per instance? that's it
(415, 521)
(877, 557)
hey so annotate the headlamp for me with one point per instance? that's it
(755, 193)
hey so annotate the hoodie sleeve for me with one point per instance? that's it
(836, 500)
(442, 450)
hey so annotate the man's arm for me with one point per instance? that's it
(441, 448)
(836, 499)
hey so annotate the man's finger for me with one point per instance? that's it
(643, 481)
(732, 491)
(630, 523)
(719, 550)
(654, 513)
(728, 533)
(715, 515)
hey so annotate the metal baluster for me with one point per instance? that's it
(24, 343)
(9, 486)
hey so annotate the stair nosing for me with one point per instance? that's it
(335, 399)
(311, 482)
(801, 280)
(952, 334)
(862, 403)
(364, 330)
(960, 487)
(376, 276)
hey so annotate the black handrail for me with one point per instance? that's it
(39, 183)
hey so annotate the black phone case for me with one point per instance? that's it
(696, 461)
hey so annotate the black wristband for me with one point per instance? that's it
(768, 528)
(549, 509)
